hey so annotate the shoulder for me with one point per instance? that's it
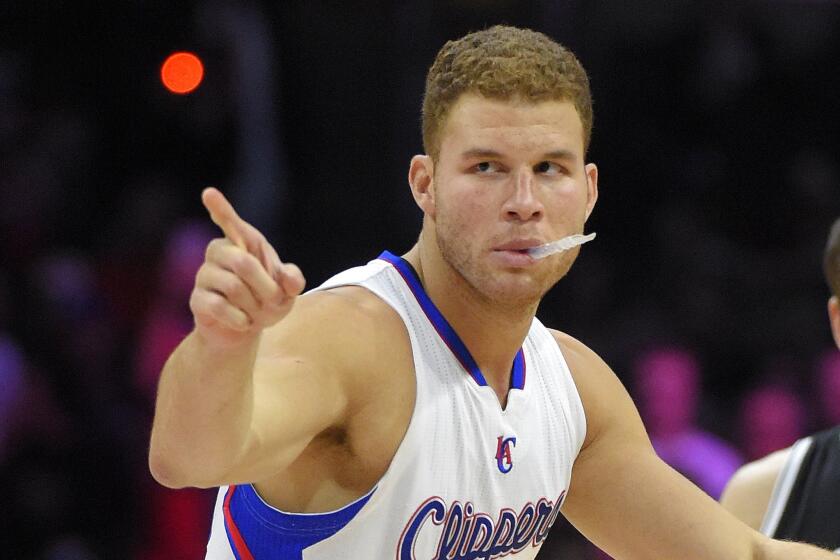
(346, 312)
(581, 359)
(748, 492)
(588, 369)
(606, 402)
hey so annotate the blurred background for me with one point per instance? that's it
(717, 130)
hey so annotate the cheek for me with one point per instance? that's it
(574, 191)
(464, 207)
(568, 201)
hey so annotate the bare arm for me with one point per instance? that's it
(634, 506)
(245, 392)
(748, 493)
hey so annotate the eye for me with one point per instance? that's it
(550, 168)
(486, 167)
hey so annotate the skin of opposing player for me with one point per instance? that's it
(834, 318)
(293, 394)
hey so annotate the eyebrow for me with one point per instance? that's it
(560, 154)
(480, 153)
(487, 153)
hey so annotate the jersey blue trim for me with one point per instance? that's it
(271, 534)
(445, 330)
(517, 372)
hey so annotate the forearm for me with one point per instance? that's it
(771, 549)
(203, 412)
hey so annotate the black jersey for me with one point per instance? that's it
(805, 505)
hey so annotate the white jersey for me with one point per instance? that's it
(470, 480)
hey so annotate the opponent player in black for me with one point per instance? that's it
(794, 494)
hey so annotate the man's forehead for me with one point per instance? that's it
(550, 126)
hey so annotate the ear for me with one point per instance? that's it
(834, 318)
(421, 175)
(591, 171)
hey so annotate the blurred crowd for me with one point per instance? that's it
(716, 133)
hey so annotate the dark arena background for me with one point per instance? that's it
(717, 134)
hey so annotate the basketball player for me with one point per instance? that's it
(793, 493)
(414, 407)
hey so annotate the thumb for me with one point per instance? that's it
(290, 278)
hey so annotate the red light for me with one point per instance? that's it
(181, 72)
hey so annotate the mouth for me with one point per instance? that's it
(516, 253)
(519, 245)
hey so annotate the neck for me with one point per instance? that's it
(493, 333)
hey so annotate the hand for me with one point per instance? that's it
(242, 287)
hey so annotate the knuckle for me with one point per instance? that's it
(213, 248)
(234, 287)
(195, 307)
(204, 304)
(198, 299)
(201, 277)
(241, 263)
(217, 305)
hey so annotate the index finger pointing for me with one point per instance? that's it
(223, 215)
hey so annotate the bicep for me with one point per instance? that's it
(303, 383)
(294, 401)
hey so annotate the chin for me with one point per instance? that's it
(514, 289)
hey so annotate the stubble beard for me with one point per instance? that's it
(516, 295)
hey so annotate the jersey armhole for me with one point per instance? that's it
(783, 486)
(575, 398)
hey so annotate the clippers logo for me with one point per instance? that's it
(460, 532)
(503, 458)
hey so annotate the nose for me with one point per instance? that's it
(523, 204)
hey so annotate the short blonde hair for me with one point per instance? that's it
(503, 63)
